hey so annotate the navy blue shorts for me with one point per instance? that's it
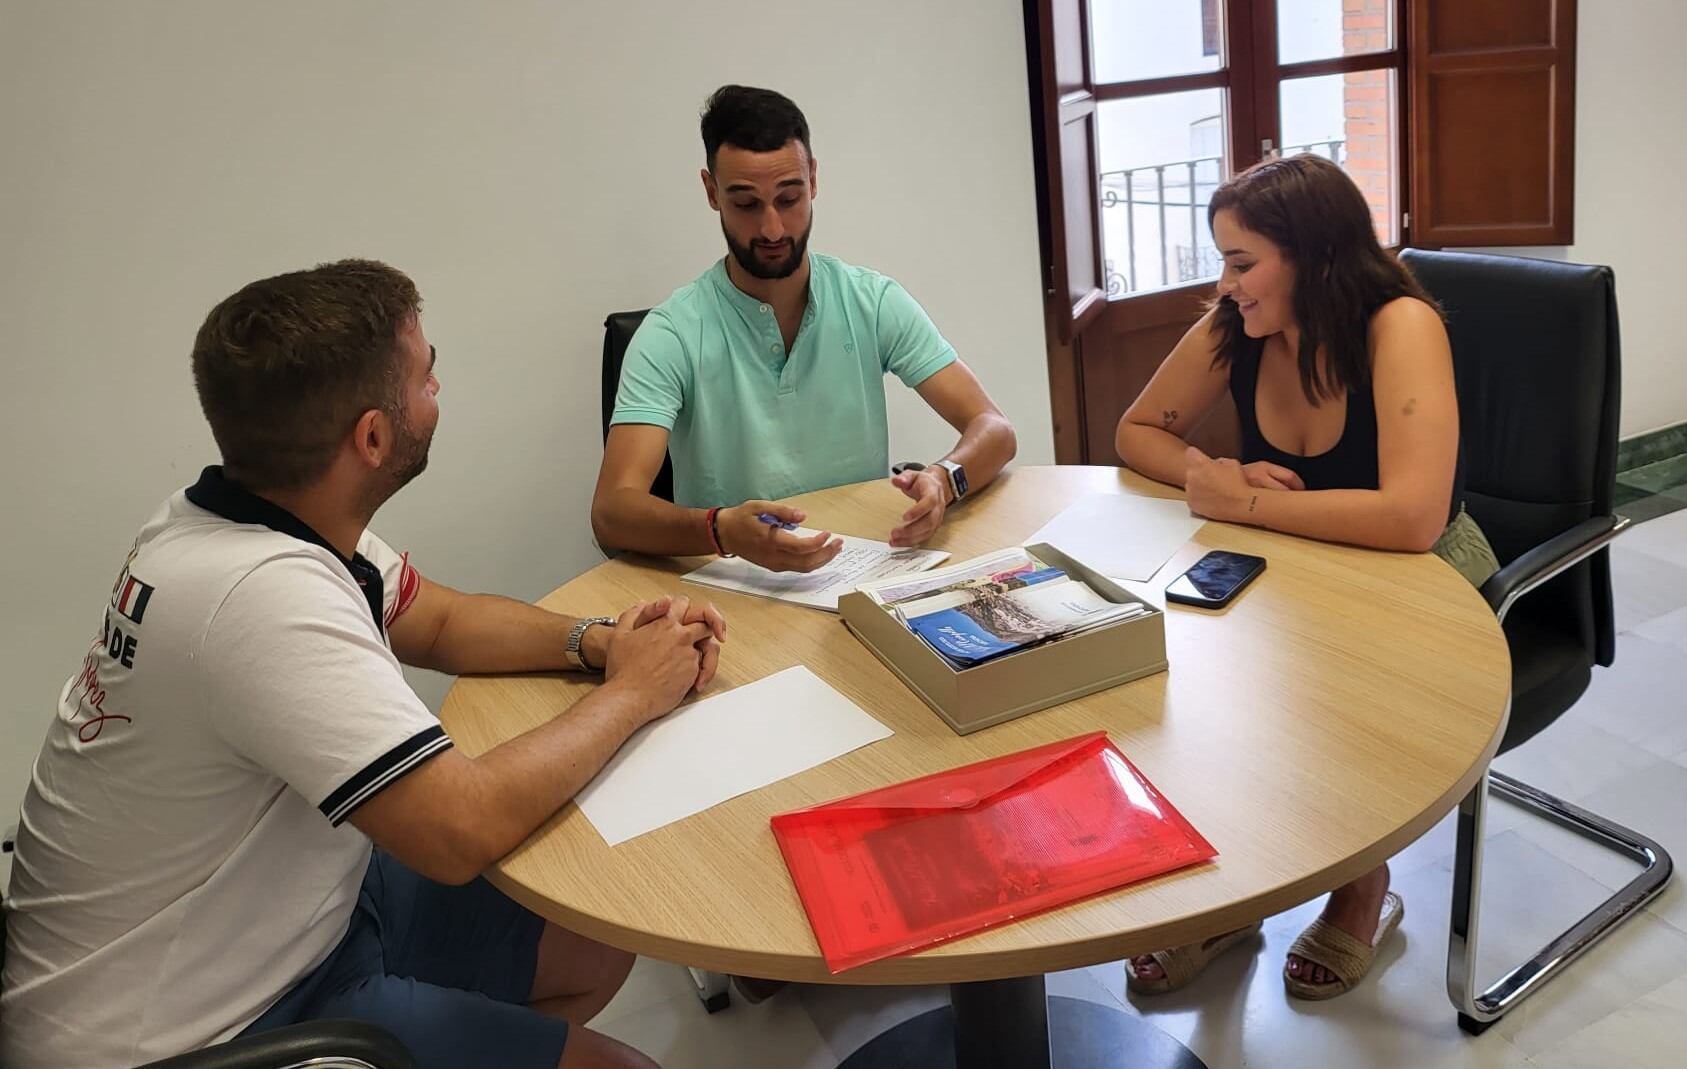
(445, 969)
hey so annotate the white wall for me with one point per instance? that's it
(532, 164)
(1630, 211)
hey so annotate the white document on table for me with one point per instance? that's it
(702, 754)
(861, 560)
(1127, 536)
(1154, 593)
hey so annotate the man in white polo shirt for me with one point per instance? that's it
(194, 858)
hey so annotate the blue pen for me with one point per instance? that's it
(773, 521)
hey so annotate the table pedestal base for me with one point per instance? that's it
(1013, 1024)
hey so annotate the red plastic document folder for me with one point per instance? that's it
(904, 867)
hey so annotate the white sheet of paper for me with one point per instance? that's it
(1153, 592)
(861, 560)
(1122, 535)
(705, 753)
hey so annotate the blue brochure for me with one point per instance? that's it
(960, 638)
(974, 625)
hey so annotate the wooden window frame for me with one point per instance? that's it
(1484, 93)
(1251, 78)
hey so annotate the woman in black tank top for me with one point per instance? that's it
(1339, 366)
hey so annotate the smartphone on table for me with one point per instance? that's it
(1214, 579)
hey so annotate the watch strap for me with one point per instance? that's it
(576, 637)
(956, 476)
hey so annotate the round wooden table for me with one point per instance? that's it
(1344, 703)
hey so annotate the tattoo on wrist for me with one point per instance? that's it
(1252, 502)
(1167, 418)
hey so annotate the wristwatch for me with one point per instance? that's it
(957, 477)
(576, 634)
(953, 473)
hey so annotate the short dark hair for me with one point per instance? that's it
(757, 120)
(286, 366)
(1314, 213)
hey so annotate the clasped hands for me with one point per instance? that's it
(663, 649)
(1225, 489)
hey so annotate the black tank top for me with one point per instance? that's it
(1350, 464)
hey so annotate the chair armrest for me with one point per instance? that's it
(319, 1044)
(1548, 559)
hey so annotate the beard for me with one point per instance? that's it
(757, 267)
(409, 459)
(412, 460)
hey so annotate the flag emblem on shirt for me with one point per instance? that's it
(129, 597)
(409, 585)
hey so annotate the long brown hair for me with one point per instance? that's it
(1311, 210)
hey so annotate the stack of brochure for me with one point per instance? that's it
(990, 606)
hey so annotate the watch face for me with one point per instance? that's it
(957, 476)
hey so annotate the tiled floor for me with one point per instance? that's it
(1653, 489)
(1622, 751)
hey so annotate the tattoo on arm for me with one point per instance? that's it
(1411, 406)
(1167, 418)
(1253, 502)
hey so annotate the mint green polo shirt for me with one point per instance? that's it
(748, 420)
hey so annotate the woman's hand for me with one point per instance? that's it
(1218, 488)
(1264, 475)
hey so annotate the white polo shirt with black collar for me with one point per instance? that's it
(183, 857)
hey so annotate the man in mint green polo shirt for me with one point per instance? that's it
(764, 378)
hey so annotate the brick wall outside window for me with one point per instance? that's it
(1367, 109)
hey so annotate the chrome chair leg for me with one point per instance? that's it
(711, 988)
(1480, 1008)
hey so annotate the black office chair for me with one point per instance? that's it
(316, 1044)
(618, 331)
(1536, 355)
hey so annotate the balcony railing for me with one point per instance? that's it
(1174, 196)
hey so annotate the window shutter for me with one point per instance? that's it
(1492, 121)
(1075, 281)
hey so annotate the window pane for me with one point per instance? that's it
(1322, 29)
(1161, 159)
(1132, 39)
(1349, 118)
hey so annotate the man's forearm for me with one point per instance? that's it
(485, 634)
(518, 785)
(985, 448)
(635, 520)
